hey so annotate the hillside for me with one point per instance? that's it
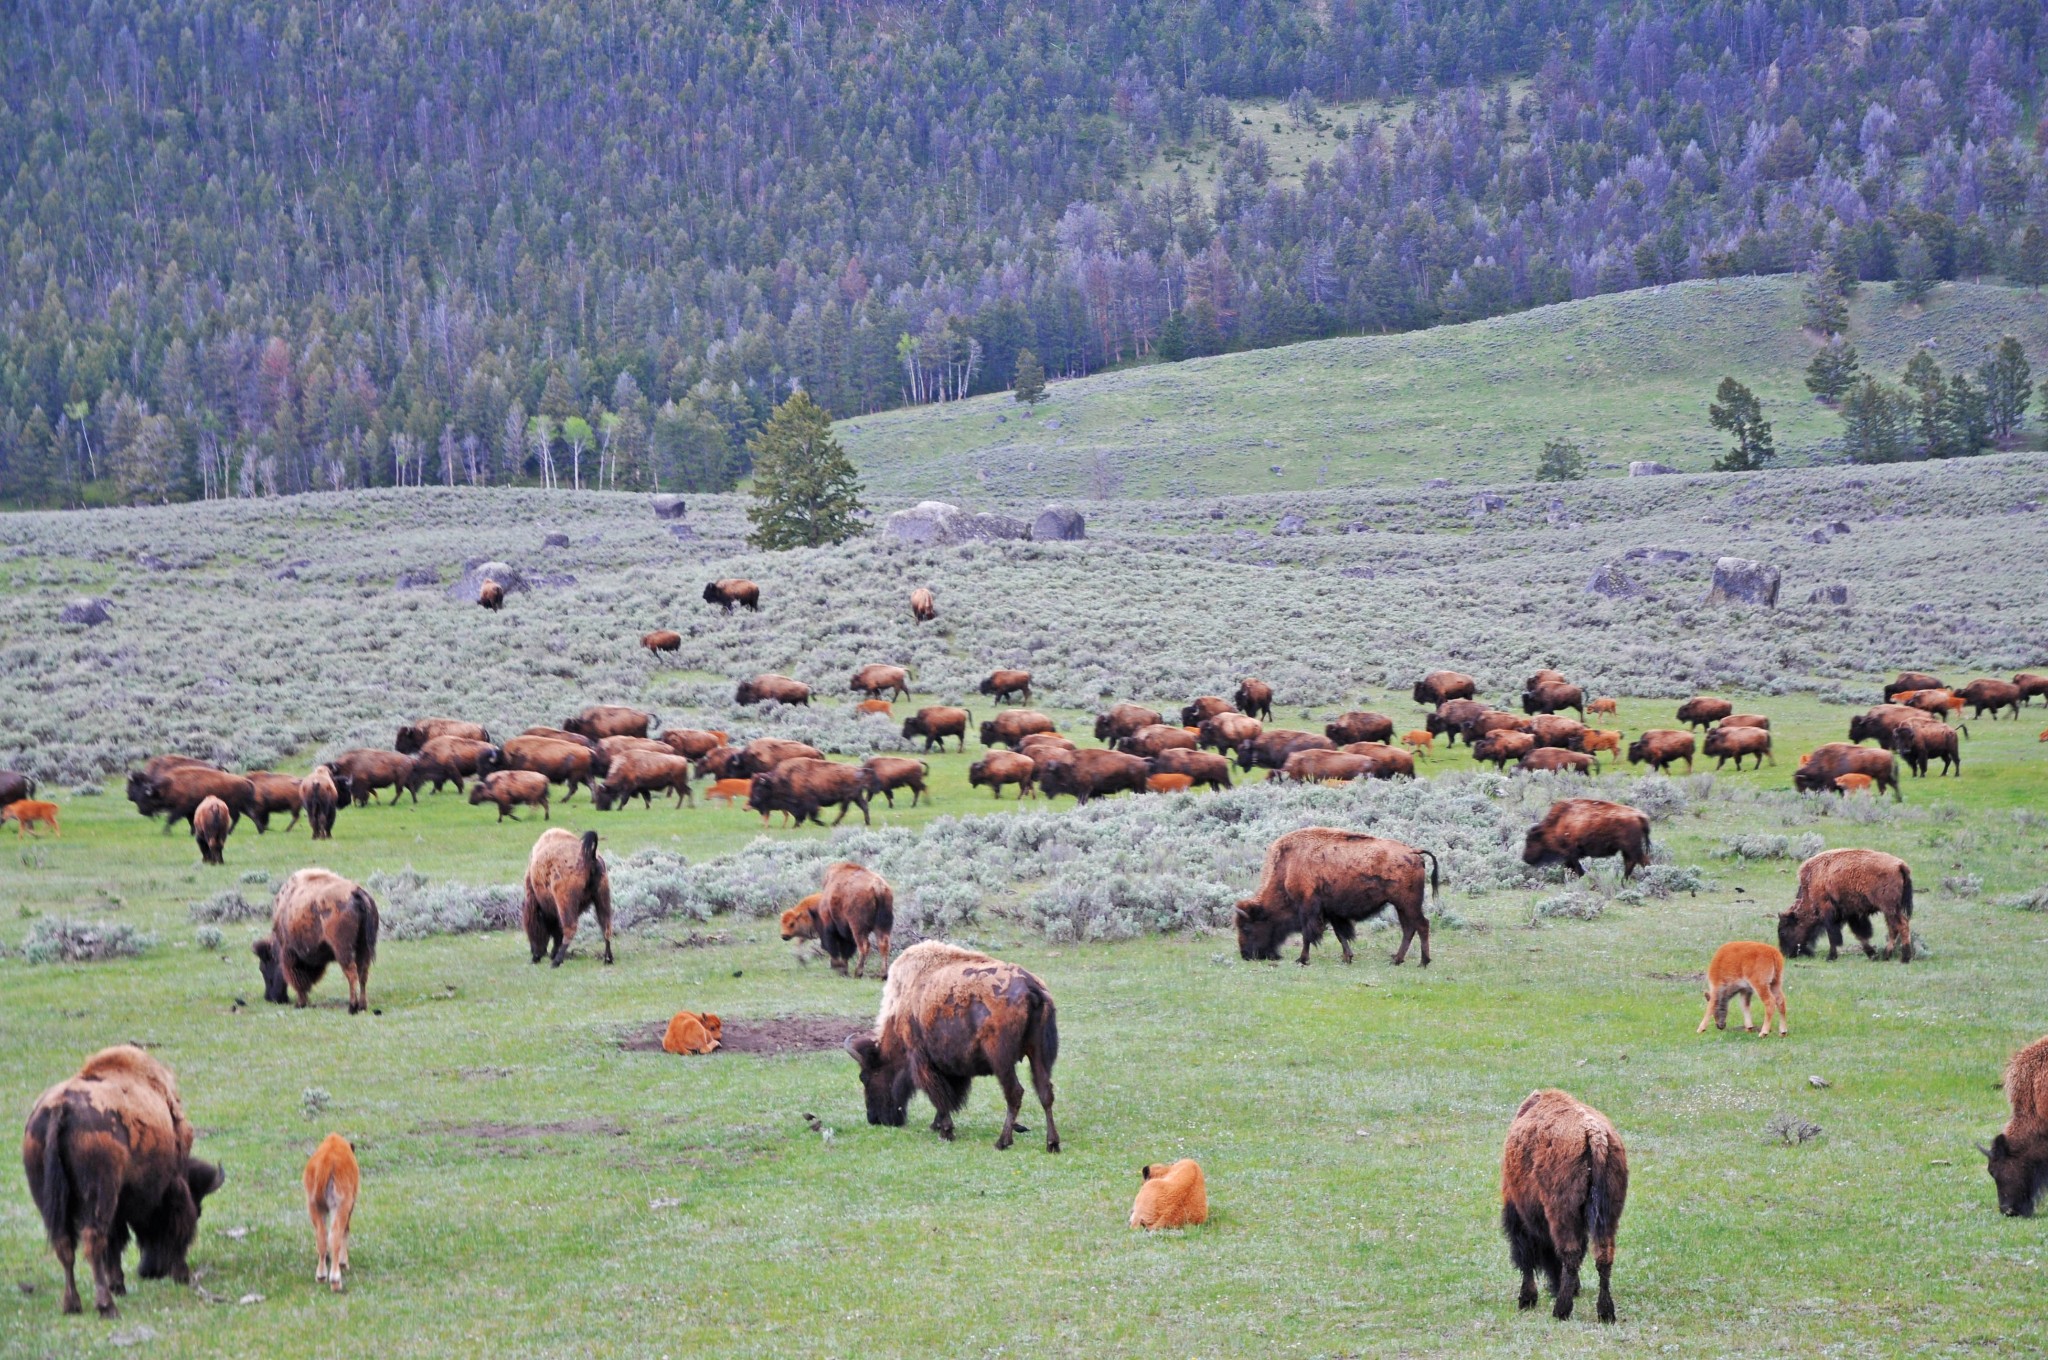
(1627, 376)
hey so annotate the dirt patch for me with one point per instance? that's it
(491, 1131)
(779, 1034)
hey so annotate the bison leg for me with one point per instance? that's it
(1013, 1100)
(1576, 867)
(860, 949)
(1898, 933)
(92, 1240)
(1603, 1259)
(1859, 926)
(1784, 1015)
(1747, 1024)
(1709, 1018)
(1041, 1086)
(316, 1209)
(1834, 940)
(604, 925)
(1414, 925)
(1344, 930)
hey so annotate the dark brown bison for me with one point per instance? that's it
(1882, 723)
(211, 823)
(177, 790)
(2031, 685)
(924, 606)
(1494, 720)
(1449, 720)
(15, 786)
(1358, 726)
(879, 679)
(1922, 743)
(1563, 1183)
(886, 774)
(512, 788)
(1912, 680)
(733, 591)
(1328, 767)
(321, 800)
(2018, 1157)
(1546, 676)
(1551, 696)
(998, 768)
(319, 918)
(1846, 888)
(414, 735)
(491, 596)
(779, 688)
(1270, 749)
(763, 754)
(1733, 743)
(1093, 773)
(609, 720)
(1566, 734)
(854, 906)
(1660, 747)
(1818, 772)
(804, 786)
(999, 685)
(565, 878)
(1122, 720)
(1440, 687)
(1502, 747)
(1254, 699)
(692, 743)
(1321, 877)
(1746, 720)
(1580, 829)
(562, 763)
(937, 722)
(109, 1155)
(1390, 762)
(1702, 711)
(276, 794)
(368, 771)
(661, 640)
(1196, 712)
(950, 1015)
(1150, 741)
(1556, 760)
(1988, 696)
(642, 774)
(450, 760)
(1010, 729)
(1226, 731)
(1202, 767)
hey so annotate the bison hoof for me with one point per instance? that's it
(1606, 1310)
(73, 1305)
(1052, 1145)
(1562, 1310)
(108, 1310)
(1528, 1299)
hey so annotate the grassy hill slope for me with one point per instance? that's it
(1627, 375)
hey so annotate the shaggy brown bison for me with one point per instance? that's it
(661, 640)
(1660, 747)
(1203, 767)
(1580, 829)
(999, 685)
(804, 786)
(564, 879)
(2018, 1157)
(1733, 743)
(1358, 726)
(643, 774)
(924, 606)
(1551, 696)
(109, 1155)
(1322, 877)
(2031, 685)
(1911, 680)
(598, 754)
(1702, 711)
(1988, 696)
(1450, 718)
(15, 786)
(1502, 747)
(1494, 720)
(609, 720)
(319, 918)
(720, 763)
(1254, 699)
(1556, 760)
(733, 591)
(937, 722)
(276, 794)
(763, 754)
(886, 774)
(491, 596)
(211, 823)
(1392, 761)
(571, 766)
(321, 801)
(512, 788)
(1882, 723)
(1040, 744)
(1194, 713)
(1546, 676)
(1226, 731)
(1818, 772)
(1919, 744)
(1093, 773)
(614, 747)
(692, 743)
(1746, 720)
(450, 760)
(1322, 766)
(1010, 729)
(368, 771)
(1270, 749)
(1150, 741)
(1846, 888)
(1563, 1183)
(1566, 734)
(998, 768)
(176, 786)
(779, 688)
(855, 906)
(950, 1015)
(1122, 720)
(879, 679)
(414, 735)
(1440, 687)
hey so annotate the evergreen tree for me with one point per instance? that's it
(1877, 424)
(2030, 258)
(2008, 383)
(1561, 462)
(1172, 344)
(806, 494)
(1923, 379)
(1736, 410)
(1962, 428)
(1030, 385)
(1917, 276)
(1826, 306)
(1834, 370)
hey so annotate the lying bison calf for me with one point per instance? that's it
(1589, 828)
(1321, 877)
(1563, 1182)
(510, 789)
(1848, 887)
(319, 918)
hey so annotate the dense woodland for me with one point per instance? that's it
(264, 247)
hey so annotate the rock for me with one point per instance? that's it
(1644, 467)
(1839, 526)
(1485, 503)
(555, 541)
(1738, 580)
(151, 562)
(1613, 583)
(1820, 535)
(1437, 484)
(683, 533)
(90, 612)
(1053, 424)
(418, 578)
(1556, 514)
(476, 571)
(1058, 524)
(1834, 594)
(1215, 512)
(1290, 525)
(936, 522)
(290, 570)
(669, 507)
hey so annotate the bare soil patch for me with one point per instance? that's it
(777, 1034)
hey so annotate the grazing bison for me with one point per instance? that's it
(878, 679)
(211, 823)
(1193, 714)
(1589, 828)
(1270, 749)
(450, 760)
(886, 774)
(15, 786)
(643, 774)
(1440, 687)
(1733, 743)
(1817, 773)
(491, 596)
(1659, 747)
(1701, 711)
(1358, 726)
(564, 879)
(177, 789)
(332, 1181)
(614, 747)
(1321, 877)
(1501, 747)
(512, 788)
(2018, 1157)
(319, 918)
(999, 685)
(733, 591)
(1170, 1196)
(2031, 685)
(1918, 744)
(609, 720)
(692, 743)
(1226, 731)
(1202, 767)
(1563, 1182)
(1555, 760)
(414, 735)
(276, 794)
(1122, 720)
(1846, 888)
(937, 722)
(1010, 729)
(1093, 773)
(1746, 969)
(109, 1155)
(998, 768)
(1450, 718)
(573, 767)
(950, 1015)
(924, 606)
(1988, 696)
(1254, 699)
(1566, 734)
(856, 905)
(779, 688)
(368, 771)
(661, 640)
(321, 800)
(1911, 680)
(1150, 741)
(1550, 696)
(805, 785)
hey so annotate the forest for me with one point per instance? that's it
(265, 248)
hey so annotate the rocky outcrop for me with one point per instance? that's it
(1058, 524)
(1644, 467)
(1613, 583)
(90, 612)
(1738, 580)
(669, 507)
(940, 523)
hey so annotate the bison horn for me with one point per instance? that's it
(1985, 1150)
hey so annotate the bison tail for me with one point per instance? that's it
(1906, 891)
(1045, 1027)
(1435, 888)
(55, 1199)
(366, 927)
(590, 862)
(1600, 1212)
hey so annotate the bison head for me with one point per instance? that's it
(713, 595)
(913, 726)
(745, 695)
(142, 793)
(800, 922)
(477, 793)
(1260, 930)
(2017, 1177)
(886, 1083)
(1795, 935)
(1537, 849)
(987, 686)
(988, 734)
(489, 759)
(602, 798)
(166, 1234)
(272, 968)
(409, 740)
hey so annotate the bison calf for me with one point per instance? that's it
(1563, 1182)
(1171, 1196)
(332, 1182)
(1746, 969)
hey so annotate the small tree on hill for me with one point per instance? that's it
(2008, 387)
(1834, 370)
(1561, 462)
(1736, 410)
(806, 493)
(2030, 258)
(1825, 301)
(1916, 270)
(1030, 384)
(1877, 424)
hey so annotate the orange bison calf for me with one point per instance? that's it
(1746, 969)
(1589, 828)
(950, 1015)
(2018, 1157)
(1321, 877)
(319, 918)
(1172, 1196)
(855, 905)
(109, 1154)
(689, 1033)
(332, 1182)
(564, 879)
(734, 791)
(1848, 887)
(27, 812)
(1563, 1182)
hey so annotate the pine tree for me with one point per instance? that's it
(1962, 427)
(806, 493)
(1834, 370)
(1826, 307)
(1876, 423)
(2008, 386)
(1561, 462)
(2030, 258)
(1916, 270)
(1172, 344)
(1736, 410)
(1030, 385)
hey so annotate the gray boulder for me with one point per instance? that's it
(1486, 503)
(478, 570)
(1437, 484)
(1058, 524)
(1613, 583)
(1738, 580)
(1644, 467)
(939, 523)
(92, 612)
(669, 507)
(555, 541)
(1834, 594)
(1290, 525)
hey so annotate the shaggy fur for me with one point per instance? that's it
(1321, 877)
(692, 743)
(1563, 1182)
(319, 918)
(558, 762)
(1254, 699)
(1746, 969)
(886, 774)
(275, 794)
(1846, 888)
(779, 688)
(804, 787)
(661, 640)
(1092, 773)
(211, 823)
(564, 879)
(1552, 695)
(1122, 720)
(643, 774)
(874, 680)
(414, 735)
(1171, 1196)
(1010, 729)
(1818, 771)
(1156, 738)
(734, 591)
(924, 606)
(450, 760)
(1580, 829)
(1358, 726)
(512, 788)
(1726, 743)
(1502, 747)
(1000, 684)
(1226, 731)
(1440, 687)
(998, 768)
(937, 722)
(1911, 680)
(368, 771)
(855, 906)
(1552, 760)
(1660, 748)
(1701, 711)
(1198, 711)
(321, 800)
(609, 720)
(491, 596)
(1270, 749)
(2018, 1157)
(1202, 767)
(332, 1182)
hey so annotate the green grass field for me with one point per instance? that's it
(1626, 375)
(532, 1188)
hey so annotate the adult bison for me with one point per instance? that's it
(319, 918)
(875, 679)
(1923, 743)
(508, 789)
(609, 720)
(1660, 748)
(856, 905)
(1555, 760)
(1122, 720)
(321, 800)
(1270, 749)
(1884, 722)
(1846, 888)
(1226, 731)
(2032, 685)
(1322, 877)
(177, 790)
(450, 760)
(886, 774)
(571, 766)
(1827, 763)
(1551, 696)
(1488, 720)
(1317, 766)
(1197, 711)
(211, 823)
(1201, 767)
(1566, 734)
(564, 878)
(642, 774)
(2018, 1157)
(805, 786)
(1502, 747)
(937, 722)
(950, 1015)
(1912, 680)
(1093, 773)
(276, 794)
(598, 754)
(1450, 718)
(1254, 699)
(1010, 729)
(1734, 743)
(1580, 829)
(1546, 676)
(109, 1155)
(1563, 1183)
(1358, 726)
(1390, 762)
(1000, 685)
(1746, 720)
(1150, 741)
(661, 640)
(998, 768)
(1988, 696)
(763, 754)
(414, 735)
(924, 606)
(1703, 711)
(15, 786)
(1440, 687)
(1038, 745)
(368, 770)
(779, 688)
(733, 591)
(692, 743)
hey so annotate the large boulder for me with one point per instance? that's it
(669, 507)
(1738, 580)
(1058, 524)
(1834, 594)
(478, 570)
(1644, 467)
(1290, 525)
(1486, 503)
(939, 523)
(92, 612)
(1613, 583)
